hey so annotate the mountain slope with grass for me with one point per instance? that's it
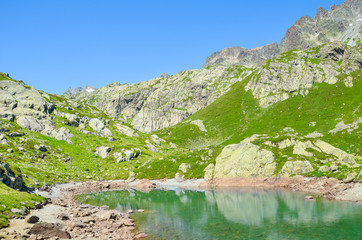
(310, 125)
(297, 113)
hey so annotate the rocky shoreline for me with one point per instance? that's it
(63, 217)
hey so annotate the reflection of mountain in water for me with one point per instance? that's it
(234, 215)
(258, 207)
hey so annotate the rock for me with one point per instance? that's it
(140, 210)
(73, 119)
(7, 115)
(209, 171)
(243, 160)
(98, 126)
(300, 148)
(30, 123)
(296, 167)
(342, 156)
(49, 230)
(184, 166)
(62, 133)
(200, 125)
(130, 211)
(132, 177)
(324, 169)
(102, 151)
(33, 219)
(127, 155)
(156, 140)
(8, 176)
(350, 177)
(152, 147)
(189, 91)
(3, 140)
(140, 235)
(123, 129)
(20, 99)
(22, 211)
(63, 217)
(341, 126)
(16, 134)
(309, 197)
(41, 148)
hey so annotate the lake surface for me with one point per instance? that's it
(235, 214)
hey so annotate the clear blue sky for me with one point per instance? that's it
(54, 44)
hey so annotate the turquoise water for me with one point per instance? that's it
(235, 214)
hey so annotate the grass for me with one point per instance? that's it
(231, 118)
(10, 198)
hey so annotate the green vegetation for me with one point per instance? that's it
(233, 117)
(10, 198)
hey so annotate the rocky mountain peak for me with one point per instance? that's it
(343, 22)
(164, 75)
(321, 13)
(73, 91)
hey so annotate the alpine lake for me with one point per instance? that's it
(234, 214)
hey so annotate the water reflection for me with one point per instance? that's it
(238, 214)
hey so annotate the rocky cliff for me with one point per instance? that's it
(343, 23)
(164, 101)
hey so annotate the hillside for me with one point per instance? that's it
(296, 112)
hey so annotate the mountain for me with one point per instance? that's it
(86, 89)
(343, 23)
(166, 101)
(296, 113)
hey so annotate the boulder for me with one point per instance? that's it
(243, 160)
(23, 100)
(73, 120)
(184, 166)
(49, 230)
(33, 219)
(125, 130)
(30, 123)
(296, 167)
(102, 151)
(96, 124)
(41, 148)
(324, 169)
(127, 155)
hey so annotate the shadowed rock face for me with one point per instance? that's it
(8, 177)
(342, 23)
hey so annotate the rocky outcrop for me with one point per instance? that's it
(243, 56)
(127, 154)
(123, 129)
(98, 125)
(164, 102)
(341, 23)
(30, 123)
(9, 177)
(296, 167)
(62, 133)
(294, 73)
(19, 99)
(102, 151)
(242, 160)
